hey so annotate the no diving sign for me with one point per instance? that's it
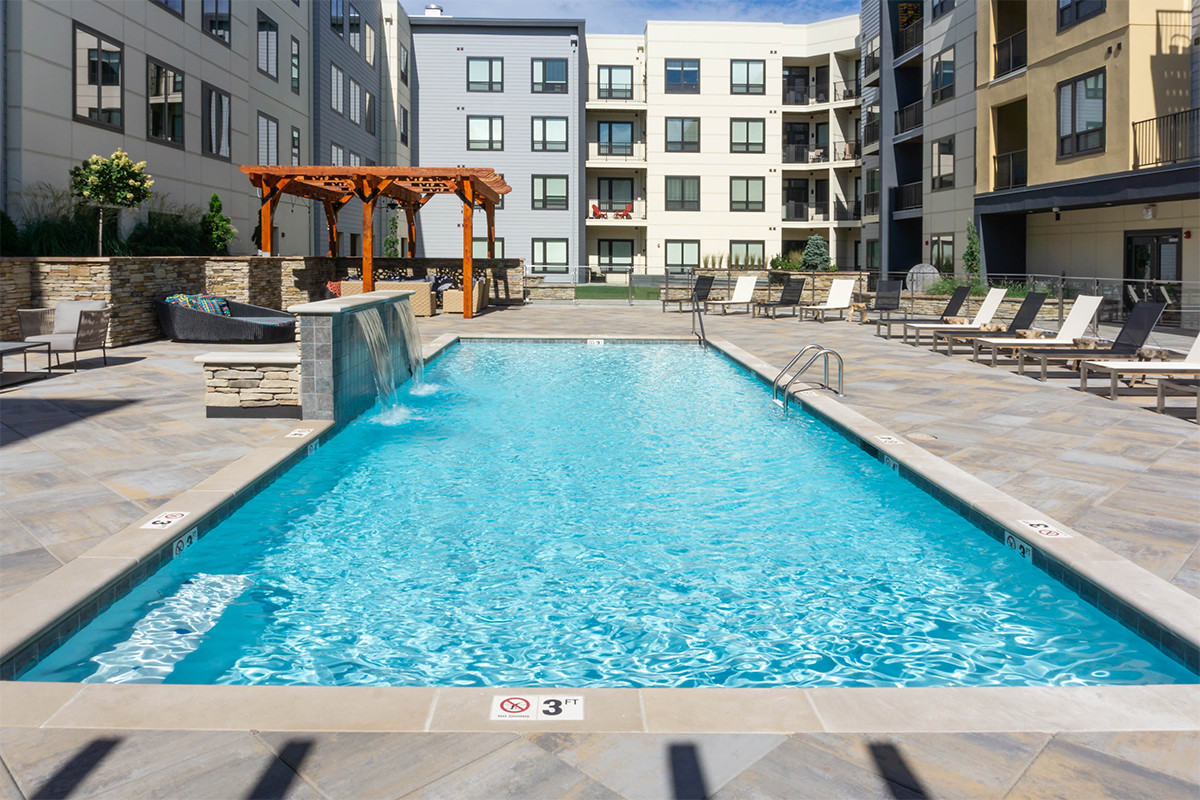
(536, 706)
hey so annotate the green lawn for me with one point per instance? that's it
(601, 291)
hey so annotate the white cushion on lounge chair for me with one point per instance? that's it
(743, 293)
(841, 292)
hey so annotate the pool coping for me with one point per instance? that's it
(44, 614)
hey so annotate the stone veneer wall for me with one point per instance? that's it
(927, 305)
(238, 384)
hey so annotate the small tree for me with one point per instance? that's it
(971, 254)
(816, 254)
(391, 242)
(114, 181)
(218, 230)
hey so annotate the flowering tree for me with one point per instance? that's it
(114, 181)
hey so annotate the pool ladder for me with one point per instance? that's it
(698, 319)
(820, 352)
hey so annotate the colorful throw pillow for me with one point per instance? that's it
(334, 287)
(210, 304)
(180, 300)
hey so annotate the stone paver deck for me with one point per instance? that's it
(84, 455)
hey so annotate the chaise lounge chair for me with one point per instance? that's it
(1186, 386)
(700, 288)
(69, 327)
(1190, 365)
(1026, 313)
(1074, 326)
(789, 297)
(1129, 340)
(840, 295)
(987, 310)
(743, 295)
(953, 305)
(244, 324)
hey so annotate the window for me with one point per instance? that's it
(942, 79)
(174, 6)
(295, 65)
(550, 252)
(682, 254)
(337, 20)
(550, 133)
(479, 247)
(404, 65)
(549, 192)
(268, 139)
(485, 74)
(940, 7)
(873, 254)
(746, 135)
(355, 160)
(337, 155)
(615, 255)
(747, 77)
(354, 28)
(369, 112)
(369, 44)
(683, 193)
(941, 252)
(614, 193)
(214, 19)
(550, 75)
(614, 138)
(942, 161)
(615, 83)
(295, 147)
(1081, 114)
(268, 46)
(683, 134)
(747, 254)
(337, 91)
(164, 103)
(99, 93)
(214, 120)
(746, 194)
(485, 133)
(403, 125)
(1073, 11)
(355, 102)
(683, 76)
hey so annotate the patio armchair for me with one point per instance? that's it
(597, 213)
(71, 326)
(625, 213)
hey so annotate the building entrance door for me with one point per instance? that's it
(1152, 271)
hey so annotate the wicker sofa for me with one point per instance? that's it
(422, 300)
(452, 299)
(246, 324)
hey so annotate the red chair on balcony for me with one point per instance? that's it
(597, 213)
(626, 214)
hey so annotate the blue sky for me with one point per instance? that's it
(629, 16)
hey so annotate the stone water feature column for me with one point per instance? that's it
(337, 378)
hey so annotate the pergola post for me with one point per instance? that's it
(368, 244)
(490, 208)
(468, 201)
(272, 191)
(331, 212)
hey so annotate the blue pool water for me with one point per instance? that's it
(563, 515)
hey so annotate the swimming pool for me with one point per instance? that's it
(562, 515)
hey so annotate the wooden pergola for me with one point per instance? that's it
(410, 187)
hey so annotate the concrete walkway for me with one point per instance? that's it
(84, 455)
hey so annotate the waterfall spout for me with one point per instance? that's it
(412, 340)
(370, 324)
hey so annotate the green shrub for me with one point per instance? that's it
(217, 229)
(816, 254)
(174, 232)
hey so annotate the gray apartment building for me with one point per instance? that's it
(918, 131)
(505, 94)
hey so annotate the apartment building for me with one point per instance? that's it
(919, 132)
(1089, 145)
(721, 139)
(195, 89)
(505, 94)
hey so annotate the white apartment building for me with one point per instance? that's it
(737, 140)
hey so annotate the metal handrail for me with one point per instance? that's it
(821, 352)
(782, 372)
(697, 317)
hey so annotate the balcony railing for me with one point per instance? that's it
(1010, 170)
(843, 211)
(617, 92)
(617, 151)
(614, 210)
(871, 204)
(1168, 139)
(846, 151)
(870, 132)
(803, 154)
(909, 118)
(805, 212)
(908, 196)
(1010, 54)
(801, 94)
(871, 62)
(911, 37)
(850, 90)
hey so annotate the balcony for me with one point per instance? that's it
(803, 154)
(847, 212)
(1168, 139)
(910, 38)
(805, 212)
(1010, 54)
(909, 118)
(1010, 170)
(613, 212)
(799, 94)
(850, 90)
(617, 153)
(871, 204)
(871, 68)
(908, 197)
(616, 93)
(870, 132)
(847, 151)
